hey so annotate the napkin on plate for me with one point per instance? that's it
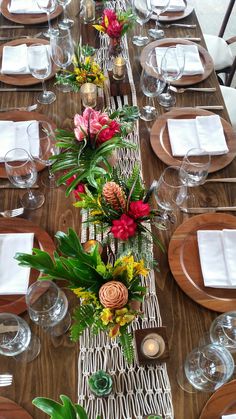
(25, 6)
(217, 257)
(174, 6)
(233, 416)
(14, 135)
(204, 132)
(14, 279)
(193, 64)
(15, 59)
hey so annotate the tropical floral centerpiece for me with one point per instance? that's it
(95, 136)
(108, 292)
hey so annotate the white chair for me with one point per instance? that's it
(229, 95)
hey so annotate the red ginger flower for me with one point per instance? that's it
(79, 189)
(124, 228)
(138, 209)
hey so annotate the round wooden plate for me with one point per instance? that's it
(23, 79)
(160, 141)
(11, 410)
(23, 116)
(172, 16)
(205, 57)
(185, 266)
(27, 18)
(16, 303)
(222, 402)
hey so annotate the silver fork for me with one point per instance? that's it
(22, 108)
(195, 89)
(5, 380)
(12, 213)
(180, 25)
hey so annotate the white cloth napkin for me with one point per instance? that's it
(204, 132)
(233, 416)
(15, 59)
(217, 257)
(193, 64)
(14, 279)
(174, 6)
(14, 135)
(25, 6)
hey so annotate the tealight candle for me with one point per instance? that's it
(89, 10)
(89, 95)
(152, 345)
(119, 68)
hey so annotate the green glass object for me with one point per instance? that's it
(100, 383)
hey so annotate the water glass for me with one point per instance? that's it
(62, 51)
(16, 339)
(223, 330)
(48, 7)
(65, 23)
(22, 172)
(143, 12)
(158, 9)
(48, 307)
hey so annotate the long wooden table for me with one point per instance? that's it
(54, 372)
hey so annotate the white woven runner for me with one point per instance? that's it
(137, 391)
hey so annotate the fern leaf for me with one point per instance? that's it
(126, 341)
(83, 317)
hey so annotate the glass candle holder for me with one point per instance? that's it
(100, 383)
(89, 95)
(119, 68)
(153, 346)
(88, 11)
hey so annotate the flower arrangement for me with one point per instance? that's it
(95, 136)
(108, 292)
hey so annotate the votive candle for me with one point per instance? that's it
(89, 10)
(119, 68)
(89, 95)
(150, 346)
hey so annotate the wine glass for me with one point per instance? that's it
(22, 172)
(171, 68)
(169, 193)
(45, 137)
(16, 339)
(48, 7)
(65, 23)
(158, 8)
(62, 51)
(223, 330)
(141, 9)
(206, 368)
(40, 66)
(48, 307)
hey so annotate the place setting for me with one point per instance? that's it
(30, 12)
(175, 10)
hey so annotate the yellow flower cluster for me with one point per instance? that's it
(86, 296)
(89, 70)
(130, 267)
(119, 317)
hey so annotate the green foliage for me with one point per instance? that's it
(66, 410)
(83, 317)
(126, 341)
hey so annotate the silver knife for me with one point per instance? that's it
(215, 107)
(8, 185)
(182, 25)
(22, 27)
(223, 179)
(21, 89)
(188, 38)
(201, 89)
(200, 210)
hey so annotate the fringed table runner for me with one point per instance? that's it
(137, 390)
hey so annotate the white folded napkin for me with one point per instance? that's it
(193, 64)
(14, 279)
(174, 5)
(25, 6)
(205, 132)
(233, 416)
(15, 59)
(14, 135)
(217, 258)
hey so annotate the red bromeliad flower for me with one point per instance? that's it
(79, 189)
(139, 209)
(124, 228)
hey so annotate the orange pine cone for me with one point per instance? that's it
(114, 195)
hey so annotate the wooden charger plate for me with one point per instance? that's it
(160, 140)
(16, 303)
(185, 266)
(23, 79)
(172, 16)
(222, 402)
(23, 116)
(205, 57)
(12, 410)
(27, 18)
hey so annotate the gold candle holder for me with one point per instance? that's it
(119, 68)
(89, 11)
(89, 95)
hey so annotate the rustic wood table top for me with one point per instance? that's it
(54, 372)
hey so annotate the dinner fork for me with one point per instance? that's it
(12, 213)
(180, 25)
(5, 380)
(22, 108)
(197, 89)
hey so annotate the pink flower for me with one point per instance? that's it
(110, 14)
(114, 29)
(109, 132)
(104, 119)
(90, 114)
(138, 209)
(79, 189)
(123, 228)
(70, 180)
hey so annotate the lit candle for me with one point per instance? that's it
(89, 11)
(152, 346)
(119, 68)
(89, 95)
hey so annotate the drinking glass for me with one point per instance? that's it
(141, 9)
(65, 23)
(158, 8)
(206, 368)
(47, 148)
(62, 51)
(40, 66)
(22, 172)
(171, 68)
(16, 339)
(48, 7)
(48, 307)
(169, 193)
(223, 330)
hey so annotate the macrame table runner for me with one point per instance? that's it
(137, 391)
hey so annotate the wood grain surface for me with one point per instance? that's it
(11, 410)
(55, 371)
(27, 18)
(222, 402)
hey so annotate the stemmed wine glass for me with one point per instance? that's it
(47, 147)
(158, 7)
(48, 7)
(171, 68)
(22, 172)
(40, 66)
(16, 339)
(48, 307)
(223, 330)
(65, 23)
(141, 9)
(62, 51)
